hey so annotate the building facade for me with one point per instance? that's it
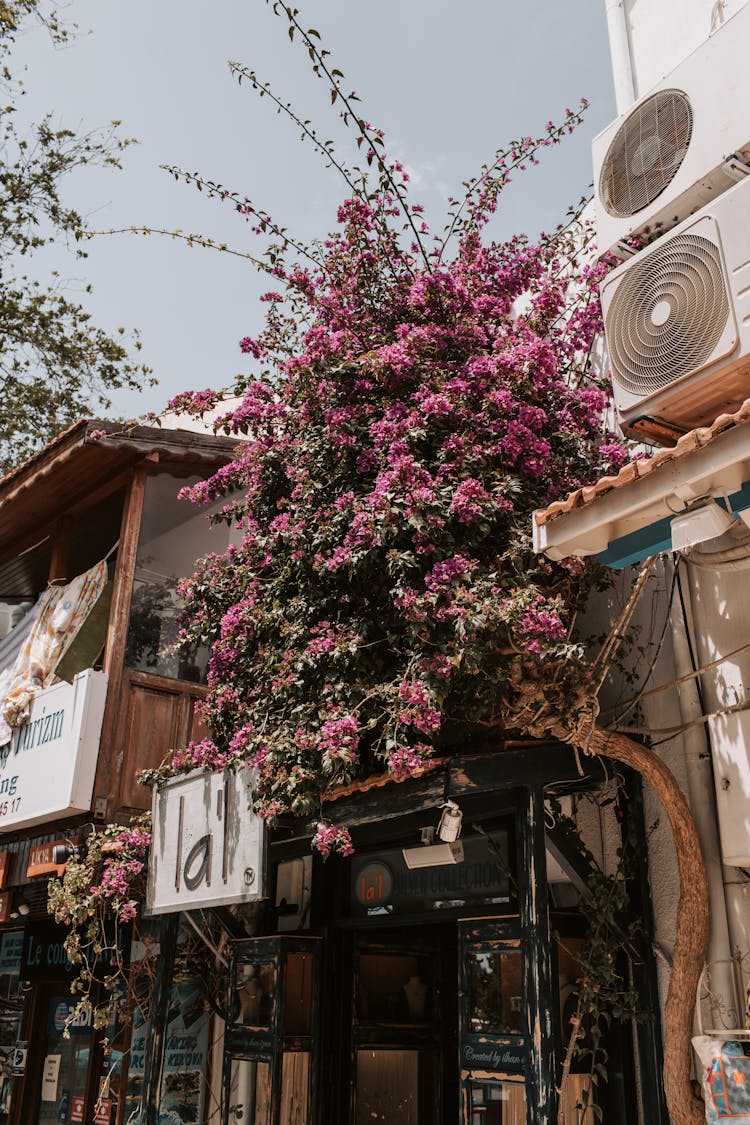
(92, 542)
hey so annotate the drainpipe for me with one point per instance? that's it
(619, 49)
(700, 783)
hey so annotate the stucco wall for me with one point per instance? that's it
(664, 32)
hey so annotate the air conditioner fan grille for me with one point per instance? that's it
(667, 314)
(645, 153)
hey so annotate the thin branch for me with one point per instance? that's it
(325, 148)
(485, 176)
(190, 239)
(244, 206)
(318, 57)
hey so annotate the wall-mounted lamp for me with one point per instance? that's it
(20, 907)
(61, 853)
(449, 850)
(706, 521)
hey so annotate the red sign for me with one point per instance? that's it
(103, 1111)
(76, 1109)
(4, 864)
(373, 884)
(41, 858)
(6, 903)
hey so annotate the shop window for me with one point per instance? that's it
(249, 1092)
(186, 1053)
(298, 994)
(254, 991)
(396, 1087)
(395, 988)
(270, 1043)
(174, 533)
(66, 1062)
(10, 1010)
(495, 992)
(497, 1103)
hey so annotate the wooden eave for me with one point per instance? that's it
(79, 461)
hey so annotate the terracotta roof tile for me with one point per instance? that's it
(688, 443)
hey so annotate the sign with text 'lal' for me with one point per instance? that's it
(47, 769)
(207, 846)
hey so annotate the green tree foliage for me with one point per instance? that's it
(55, 364)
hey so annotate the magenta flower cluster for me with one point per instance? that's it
(329, 839)
(123, 864)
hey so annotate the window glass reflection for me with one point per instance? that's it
(395, 988)
(174, 533)
(249, 1093)
(495, 993)
(254, 991)
(498, 1103)
(396, 1087)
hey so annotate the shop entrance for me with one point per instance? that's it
(402, 1052)
(62, 1094)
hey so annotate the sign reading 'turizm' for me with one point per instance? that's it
(47, 769)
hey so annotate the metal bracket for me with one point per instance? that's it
(735, 168)
(622, 250)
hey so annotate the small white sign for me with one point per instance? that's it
(18, 1062)
(50, 1075)
(208, 845)
(47, 769)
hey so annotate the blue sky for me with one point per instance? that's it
(447, 82)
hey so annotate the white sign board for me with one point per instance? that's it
(50, 1076)
(47, 769)
(208, 845)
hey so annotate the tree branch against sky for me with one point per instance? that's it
(451, 95)
(55, 363)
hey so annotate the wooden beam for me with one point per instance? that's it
(467, 776)
(537, 963)
(166, 928)
(62, 537)
(111, 742)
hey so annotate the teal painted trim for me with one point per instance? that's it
(638, 545)
(657, 537)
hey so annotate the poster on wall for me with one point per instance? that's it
(50, 1076)
(185, 1059)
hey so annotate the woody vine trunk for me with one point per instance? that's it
(691, 941)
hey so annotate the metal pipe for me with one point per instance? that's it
(700, 783)
(619, 49)
(712, 591)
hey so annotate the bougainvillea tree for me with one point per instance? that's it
(414, 399)
(414, 395)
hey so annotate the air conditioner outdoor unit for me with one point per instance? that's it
(667, 156)
(677, 323)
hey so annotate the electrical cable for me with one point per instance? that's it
(631, 703)
(688, 638)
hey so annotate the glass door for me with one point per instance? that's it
(397, 1031)
(493, 1024)
(65, 1065)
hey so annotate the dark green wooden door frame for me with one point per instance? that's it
(533, 901)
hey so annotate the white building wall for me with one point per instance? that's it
(647, 661)
(661, 33)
